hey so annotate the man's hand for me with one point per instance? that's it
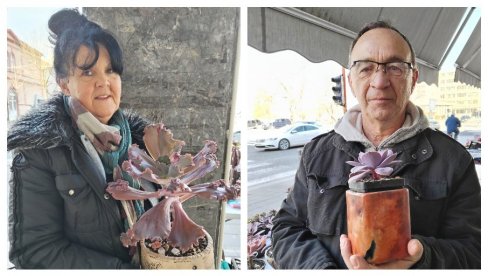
(415, 250)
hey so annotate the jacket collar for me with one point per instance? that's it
(351, 128)
(50, 126)
(44, 127)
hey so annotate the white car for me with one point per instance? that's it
(294, 135)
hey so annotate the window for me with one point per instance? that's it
(12, 105)
(308, 128)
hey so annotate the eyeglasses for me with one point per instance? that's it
(366, 68)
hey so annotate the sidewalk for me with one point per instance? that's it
(232, 236)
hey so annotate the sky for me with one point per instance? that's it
(30, 26)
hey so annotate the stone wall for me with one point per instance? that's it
(179, 69)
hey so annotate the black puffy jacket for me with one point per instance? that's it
(445, 203)
(59, 213)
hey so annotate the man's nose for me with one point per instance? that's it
(380, 78)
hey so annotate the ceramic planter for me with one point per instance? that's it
(378, 219)
(202, 260)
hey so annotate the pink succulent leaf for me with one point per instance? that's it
(184, 232)
(142, 161)
(176, 185)
(216, 190)
(210, 147)
(156, 244)
(386, 171)
(358, 176)
(128, 238)
(206, 167)
(386, 153)
(121, 190)
(135, 172)
(255, 245)
(354, 163)
(159, 141)
(372, 165)
(371, 159)
(388, 160)
(360, 168)
(155, 223)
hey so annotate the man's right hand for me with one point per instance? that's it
(415, 250)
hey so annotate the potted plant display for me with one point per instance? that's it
(166, 235)
(259, 240)
(378, 211)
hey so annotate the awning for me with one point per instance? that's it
(468, 64)
(321, 34)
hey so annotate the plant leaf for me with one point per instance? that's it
(386, 171)
(153, 224)
(185, 232)
(371, 159)
(159, 141)
(202, 169)
(358, 176)
(354, 163)
(121, 190)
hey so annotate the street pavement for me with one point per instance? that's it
(270, 174)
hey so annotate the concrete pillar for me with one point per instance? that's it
(179, 69)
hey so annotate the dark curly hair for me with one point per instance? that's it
(69, 30)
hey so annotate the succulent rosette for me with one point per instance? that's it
(165, 165)
(373, 165)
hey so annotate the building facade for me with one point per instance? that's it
(439, 102)
(28, 75)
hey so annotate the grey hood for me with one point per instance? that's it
(351, 127)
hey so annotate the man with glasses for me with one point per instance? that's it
(310, 229)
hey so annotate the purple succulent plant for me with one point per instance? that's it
(166, 166)
(373, 165)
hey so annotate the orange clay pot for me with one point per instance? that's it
(378, 220)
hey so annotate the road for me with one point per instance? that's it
(270, 174)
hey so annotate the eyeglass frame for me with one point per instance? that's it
(410, 66)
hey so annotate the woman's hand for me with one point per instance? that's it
(415, 250)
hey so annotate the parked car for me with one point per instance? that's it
(474, 148)
(278, 123)
(254, 123)
(308, 122)
(467, 136)
(295, 135)
(434, 124)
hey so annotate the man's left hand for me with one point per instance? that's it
(415, 251)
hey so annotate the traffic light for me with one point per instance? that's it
(337, 89)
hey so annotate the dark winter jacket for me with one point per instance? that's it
(445, 203)
(59, 213)
(452, 124)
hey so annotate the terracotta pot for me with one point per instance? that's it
(378, 220)
(202, 260)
